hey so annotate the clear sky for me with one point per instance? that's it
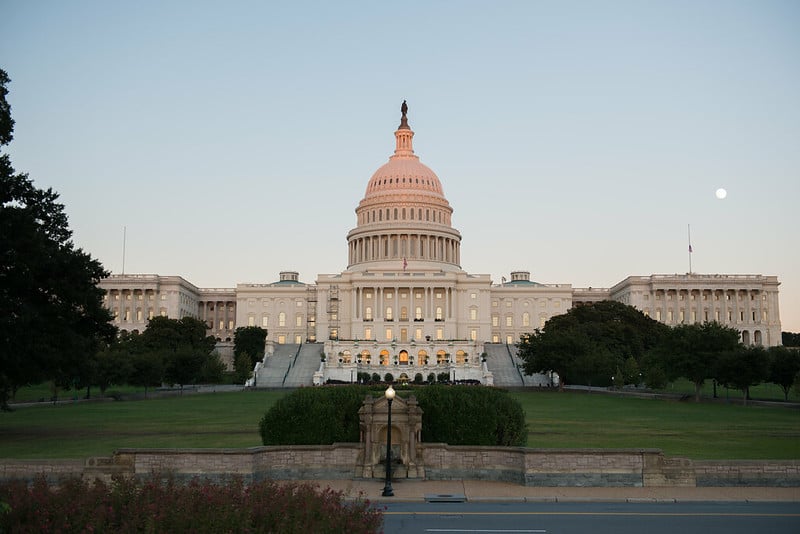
(576, 140)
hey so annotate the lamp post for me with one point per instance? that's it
(387, 488)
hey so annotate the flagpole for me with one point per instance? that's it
(124, 239)
(689, 231)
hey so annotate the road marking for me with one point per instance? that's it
(632, 514)
(476, 530)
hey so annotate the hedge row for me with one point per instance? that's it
(453, 415)
(156, 505)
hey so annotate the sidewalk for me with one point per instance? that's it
(475, 491)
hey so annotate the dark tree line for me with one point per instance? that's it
(610, 343)
(169, 351)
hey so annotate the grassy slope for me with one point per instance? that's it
(554, 420)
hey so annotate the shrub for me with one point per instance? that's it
(376, 377)
(162, 505)
(443, 377)
(431, 378)
(388, 378)
(471, 416)
(418, 378)
(314, 416)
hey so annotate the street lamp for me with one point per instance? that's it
(387, 488)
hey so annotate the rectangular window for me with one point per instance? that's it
(251, 321)
(681, 316)
(716, 315)
(509, 321)
(764, 315)
(658, 315)
(669, 316)
(265, 321)
(495, 320)
(473, 314)
(281, 339)
(440, 333)
(495, 338)
(368, 333)
(388, 334)
(418, 333)
(473, 296)
(298, 320)
(473, 334)
(298, 339)
(510, 339)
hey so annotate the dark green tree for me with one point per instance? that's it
(112, 367)
(250, 340)
(53, 315)
(691, 351)
(147, 369)
(741, 368)
(589, 343)
(790, 339)
(784, 366)
(242, 367)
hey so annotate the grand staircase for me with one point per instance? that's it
(289, 366)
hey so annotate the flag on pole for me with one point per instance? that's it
(690, 248)
(405, 264)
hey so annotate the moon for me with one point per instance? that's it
(721, 193)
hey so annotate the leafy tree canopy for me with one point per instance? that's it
(790, 339)
(784, 368)
(53, 315)
(250, 340)
(691, 350)
(590, 341)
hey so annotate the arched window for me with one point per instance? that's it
(384, 357)
(418, 313)
(439, 315)
(389, 313)
(368, 313)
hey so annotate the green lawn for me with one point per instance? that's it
(699, 431)
(572, 420)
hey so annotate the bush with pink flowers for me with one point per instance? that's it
(165, 505)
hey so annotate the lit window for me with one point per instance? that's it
(265, 321)
(495, 338)
(298, 339)
(298, 320)
(495, 320)
(440, 333)
(510, 339)
(368, 313)
(473, 334)
(509, 320)
(368, 333)
(418, 313)
(473, 314)
(439, 314)
(388, 334)
(251, 321)
(281, 339)
(473, 296)
(388, 313)
(282, 319)
(526, 319)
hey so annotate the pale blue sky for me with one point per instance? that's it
(576, 140)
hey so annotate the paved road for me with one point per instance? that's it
(592, 517)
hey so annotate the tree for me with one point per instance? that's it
(790, 339)
(53, 315)
(741, 368)
(112, 366)
(784, 368)
(589, 343)
(250, 339)
(147, 370)
(242, 367)
(691, 350)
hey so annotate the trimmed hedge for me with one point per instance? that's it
(457, 415)
(467, 415)
(314, 416)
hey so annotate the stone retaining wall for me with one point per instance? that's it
(519, 465)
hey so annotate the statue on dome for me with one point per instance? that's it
(404, 109)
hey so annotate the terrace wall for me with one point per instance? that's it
(519, 465)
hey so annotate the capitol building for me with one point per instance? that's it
(405, 306)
